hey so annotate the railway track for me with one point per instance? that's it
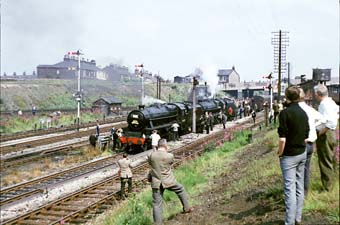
(27, 134)
(39, 185)
(79, 206)
(22, 146)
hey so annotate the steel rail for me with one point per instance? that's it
(79, 203)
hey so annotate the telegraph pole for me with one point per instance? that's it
(280, 41)
(0, 39)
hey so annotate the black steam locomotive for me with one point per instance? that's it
(160, 117)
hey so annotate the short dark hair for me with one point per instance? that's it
(293, 93)
(125, 155)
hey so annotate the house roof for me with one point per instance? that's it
(111, 100)
(225, 72)
(67, 63)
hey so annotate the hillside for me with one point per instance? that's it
(58, 94)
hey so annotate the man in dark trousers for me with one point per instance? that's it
(162, 178)
(223, 119)
(97, 128)
(326, 141)
(125, 174)
(114, 136)
(253, 115)
(293, 132)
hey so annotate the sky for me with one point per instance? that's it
(174, 37)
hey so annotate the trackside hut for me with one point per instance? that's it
(108, 105)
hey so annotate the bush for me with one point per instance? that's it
(135, 215)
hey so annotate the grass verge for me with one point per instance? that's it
(262, 174)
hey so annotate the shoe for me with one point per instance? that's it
(190, 210)
(298, 223)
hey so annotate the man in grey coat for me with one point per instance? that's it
(162, 178)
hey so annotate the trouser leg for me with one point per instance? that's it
(157, 195)
(122, 187)
(325, 150)
(182, 195)
(300, 171)
(309, 150)
(292, 168)
(130, 185)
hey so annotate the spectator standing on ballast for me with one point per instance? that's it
(326, 141)
(34, 110)
(292, 153)
(154, 139)
(276, 109)
(175, 127)
(162, 178)
(223, 119)
(211, 121)
(125, 175)
(114, 138)
(206, 122)
(313, 117)
(253, 115)
(97, 128)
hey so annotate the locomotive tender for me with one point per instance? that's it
(160, 117)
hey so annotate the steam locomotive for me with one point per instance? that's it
(160, 117)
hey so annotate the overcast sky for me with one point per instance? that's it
(171, 37)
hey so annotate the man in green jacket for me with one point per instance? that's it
(162, 178)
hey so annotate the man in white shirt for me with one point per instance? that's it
(326, 141)
(314, 118)
(154, 139)
(175, 127)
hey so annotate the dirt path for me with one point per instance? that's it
(248, 207)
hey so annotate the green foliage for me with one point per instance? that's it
(210, 147)
(19, 101)
(52, 94)
(135, 214)
(17, 124)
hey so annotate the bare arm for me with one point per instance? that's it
(282, 142)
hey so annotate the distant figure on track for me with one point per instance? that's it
(97, 128)
(253, 115)
(223, 119)
(175, 127)
(154, 140)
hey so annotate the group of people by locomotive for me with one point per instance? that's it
(300, 126)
